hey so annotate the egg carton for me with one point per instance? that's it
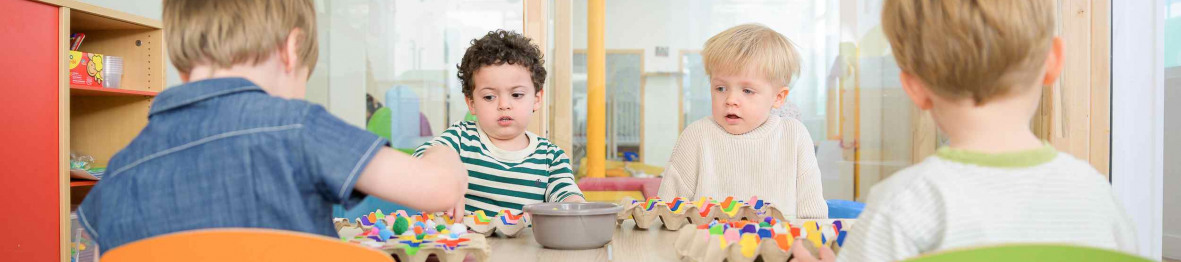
(746, 241)
(450, 244)
(677, 213)
(503, 223)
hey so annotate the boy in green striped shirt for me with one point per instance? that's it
(508, 167)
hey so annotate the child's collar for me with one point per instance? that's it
(1018, 159)
(506, 155)
(197, 91)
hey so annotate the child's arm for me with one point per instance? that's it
(809, 191)
(451, 158)
(435, 182)
(344, 159)
(679, 179)
(561, 186)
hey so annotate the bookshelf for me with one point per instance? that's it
(55, 118)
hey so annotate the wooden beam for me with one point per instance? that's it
(63, 131)
(561, 107)
(535, 19)
(1100, 140)
(1072, 128)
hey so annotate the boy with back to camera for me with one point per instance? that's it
(236, 146)
(979, 67)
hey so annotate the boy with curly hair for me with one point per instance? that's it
(508, 167)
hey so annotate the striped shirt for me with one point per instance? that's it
(500, 179)
(959, 199)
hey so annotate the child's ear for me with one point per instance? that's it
(471, 106)
(918, 92)
(537, 104)
(781, 97)
(1054, 62)
(289, 54)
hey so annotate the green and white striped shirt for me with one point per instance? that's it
(500, 179)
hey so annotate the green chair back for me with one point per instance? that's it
(1030, 252)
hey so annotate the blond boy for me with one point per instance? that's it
(742, 150)
(979, 67)
(236, 146)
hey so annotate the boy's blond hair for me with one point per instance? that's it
(223, 33)
(752, 48)
(970, 49)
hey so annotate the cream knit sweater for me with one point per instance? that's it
(775, 162)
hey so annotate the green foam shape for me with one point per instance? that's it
(401, 225)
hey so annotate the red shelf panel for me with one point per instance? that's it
(77, 183)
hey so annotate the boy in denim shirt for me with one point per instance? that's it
(236, 146)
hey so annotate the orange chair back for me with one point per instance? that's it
(243, 244)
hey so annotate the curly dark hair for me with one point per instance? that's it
(497, 48)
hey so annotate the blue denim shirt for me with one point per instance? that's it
(223, 153)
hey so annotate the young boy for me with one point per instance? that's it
(742, 150)
(502, 75)
(235, 146)
(980, 66)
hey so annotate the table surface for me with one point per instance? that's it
(629, 244)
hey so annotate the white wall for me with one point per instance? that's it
(346, 60)
(1172, 209)
(659, 115)
(1137, 117)
(370, 46)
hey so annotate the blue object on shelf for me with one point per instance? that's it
(844, 209)
(630, 156)
(405, 130)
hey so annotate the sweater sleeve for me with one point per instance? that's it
(680, 177)
(809, 192)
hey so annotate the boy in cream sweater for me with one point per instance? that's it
(741, 150)
(980, 66)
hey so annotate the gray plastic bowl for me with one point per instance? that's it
(573, 225)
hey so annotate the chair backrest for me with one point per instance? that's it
(243, 244)
(1029, 252)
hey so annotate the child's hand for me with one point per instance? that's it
(574, 199)
(458, 211)
(801, 254)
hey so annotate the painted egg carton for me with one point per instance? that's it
(677, 213)
(746, 241)
(417, 242)
(504, 222)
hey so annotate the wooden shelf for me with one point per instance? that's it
(81, 183)
(78, 90)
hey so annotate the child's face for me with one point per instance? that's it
(503, 100)
(743, 102)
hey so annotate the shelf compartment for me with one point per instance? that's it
(79, 90)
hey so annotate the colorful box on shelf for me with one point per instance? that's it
(97, 70)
